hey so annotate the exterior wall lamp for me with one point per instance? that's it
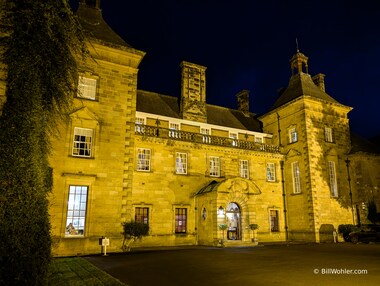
(221, 211)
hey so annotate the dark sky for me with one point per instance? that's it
(248, 44)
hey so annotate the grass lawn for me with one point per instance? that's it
(78, 271)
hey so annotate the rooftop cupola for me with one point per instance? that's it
(298, 63)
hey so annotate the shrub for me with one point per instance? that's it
(345, 230)
(133, 230)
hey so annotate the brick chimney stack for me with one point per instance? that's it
(243, 101)
(319, 80)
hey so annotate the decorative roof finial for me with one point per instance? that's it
(297, 45)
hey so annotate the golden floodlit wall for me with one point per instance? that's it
(106, 173)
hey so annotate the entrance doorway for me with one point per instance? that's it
(233, 221)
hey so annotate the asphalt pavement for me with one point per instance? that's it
(301, 264)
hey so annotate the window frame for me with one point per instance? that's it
(72, 209)
(234, 136)
(87, 87)
(296, 178)
(271, 167)
(144, 164)
(206, 133)
(293, 135)
(174, 129)
(80, 145)
(139, 124)
(329, 135)
(179, 164)
(214, 166)
(244, 168)
(142, 214)
(274, 221)
(180, 220)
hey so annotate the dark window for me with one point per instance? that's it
(142, 215)
(180, 220)
(274, 221)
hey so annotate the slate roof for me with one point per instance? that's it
(360, 144)
(301, 84)
(94, 26)
(165, 105)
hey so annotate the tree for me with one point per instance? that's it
(39, 43)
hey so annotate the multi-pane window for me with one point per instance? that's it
(274, 221)
(87, 87)
(181, 163)
(214, 166)
(206, 135)
(173, 130)
(234, 138)
(296, 178)
(139, 125)
(271, 172)
(328, 134)
(180, 220)
(143, 159)
(76, 210)
(293, 135)
(244, 169)
(142, 215)
(333, 181)
(82, 145)
(258, 139)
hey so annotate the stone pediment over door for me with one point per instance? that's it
(239, 185)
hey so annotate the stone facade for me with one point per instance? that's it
(187, 168)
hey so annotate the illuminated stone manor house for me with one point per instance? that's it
(185, 167)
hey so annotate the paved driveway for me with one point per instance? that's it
(312, 264)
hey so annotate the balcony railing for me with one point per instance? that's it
(172, 134)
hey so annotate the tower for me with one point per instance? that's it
(313, 129)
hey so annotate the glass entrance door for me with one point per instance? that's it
(233, 221)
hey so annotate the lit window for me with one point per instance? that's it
(143, 159)
(234, 138)
(142, 215)
(173, 130)
(328, 134)
(87, 88)
(76, 210)
(139, 125)
(206, 135)
(258, 139)
(181, 163)
(274, 221)
(333, 182)
(293, 135)
(271, 172)
(180, 220)
(214, 166)
(244, 169)
(296, 178)
(82, 145)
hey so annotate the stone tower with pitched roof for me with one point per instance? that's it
(313, 130)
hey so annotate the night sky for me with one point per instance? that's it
(248, 45)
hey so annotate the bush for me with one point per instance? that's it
(345, 230)
(133, 230)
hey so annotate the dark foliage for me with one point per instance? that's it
(345, 230)
(38, 43)
(135, 229)
(373, 216)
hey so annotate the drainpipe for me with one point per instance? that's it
(279, 129)
(284, 200)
